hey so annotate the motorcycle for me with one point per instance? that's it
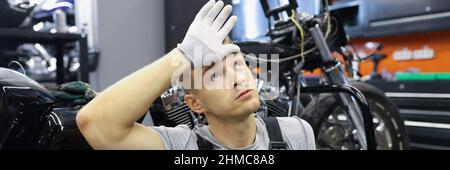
(305, 43)
(31, 118)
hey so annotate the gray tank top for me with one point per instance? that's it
(296, 132)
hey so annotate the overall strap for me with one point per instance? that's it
(274, 131)
(203, 144)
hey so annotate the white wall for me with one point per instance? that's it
(86, 20)
(130, 36)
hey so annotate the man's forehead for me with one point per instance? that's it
(221, 64)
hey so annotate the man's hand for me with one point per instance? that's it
(203, 42)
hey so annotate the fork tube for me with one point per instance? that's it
(334, 74)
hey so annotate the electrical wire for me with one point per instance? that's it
(328, 18)
(302, 35)
(303, 53)
(302, 50)
(280, 60)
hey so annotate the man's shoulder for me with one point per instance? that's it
(292, 121)
(289, 121)
(178, 127)
(180, 137)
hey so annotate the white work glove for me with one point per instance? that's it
(203, 42)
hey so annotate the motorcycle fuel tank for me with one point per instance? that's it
(25, 107)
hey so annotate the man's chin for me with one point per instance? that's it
(252, 105)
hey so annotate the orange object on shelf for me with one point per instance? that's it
(438, 41)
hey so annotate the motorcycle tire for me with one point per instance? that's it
(390, 131)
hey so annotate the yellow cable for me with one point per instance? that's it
(302, 50)
(302, 35)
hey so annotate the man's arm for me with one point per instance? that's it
(108, 121)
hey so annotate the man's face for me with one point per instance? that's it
(229, 90)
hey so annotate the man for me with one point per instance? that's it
(108, 121)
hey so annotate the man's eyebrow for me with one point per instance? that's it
(207, 68)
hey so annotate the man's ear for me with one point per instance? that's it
(194, 104)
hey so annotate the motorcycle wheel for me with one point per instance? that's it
(327, 117)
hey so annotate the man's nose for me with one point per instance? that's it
(239, 80)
